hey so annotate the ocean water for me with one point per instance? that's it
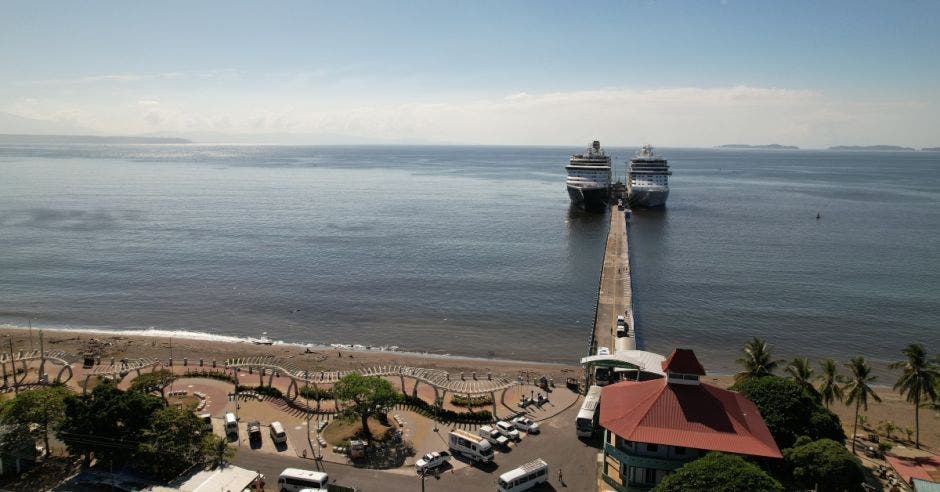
(470, 250)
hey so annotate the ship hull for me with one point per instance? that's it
(648, 198)
(590, 197)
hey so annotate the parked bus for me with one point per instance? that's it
(524, 477)
(590, 411)
(295, 480)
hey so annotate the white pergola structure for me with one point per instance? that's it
(440, 381)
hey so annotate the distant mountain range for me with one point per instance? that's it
(762, 147)
(931, 149)
(13, 139)
(872, 147)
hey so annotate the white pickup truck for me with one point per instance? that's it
(431, 461)
(493, 436)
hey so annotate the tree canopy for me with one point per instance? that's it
(824, 465)
(918, 381)
(174, 441)
(790, 411)
(365, 396)
(858, 388)
(829, 389)
(801, 372)
(756, 361)
(44, 407)
(153, 381)
(719, 472)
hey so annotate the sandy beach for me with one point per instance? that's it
(310, 358)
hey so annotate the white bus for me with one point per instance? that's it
(295, 480)
(525, 477)
(470, 445)
(589, 413)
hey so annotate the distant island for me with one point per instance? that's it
(931, 149)
(10, 138)
(872, 147)
(762, 147)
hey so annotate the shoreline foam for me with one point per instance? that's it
(235, 340)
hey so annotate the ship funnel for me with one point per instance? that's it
(596, 145)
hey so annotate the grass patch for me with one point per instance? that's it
(341, 430)
(188, 402)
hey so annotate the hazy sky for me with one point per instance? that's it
(683, 73)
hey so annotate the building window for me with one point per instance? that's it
(680, 450)
(652, 448)
(650, 475)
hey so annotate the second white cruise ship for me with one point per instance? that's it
(648, 180)
(589, 177)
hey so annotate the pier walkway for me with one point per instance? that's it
(615, 293)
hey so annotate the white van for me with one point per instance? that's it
(472, 446)
(231, 425)
(525, 477)
(295, 480)
(277, 433)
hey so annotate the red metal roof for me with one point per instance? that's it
(699, 416)
(683, 361)
(922, 467)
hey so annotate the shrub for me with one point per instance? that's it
(824, 465)
(261, 390)
(482, 416)
(718, 472)
(221, 376)
(789, 411)
(316, 393)
(474, 401)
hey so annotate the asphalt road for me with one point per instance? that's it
(557, 445)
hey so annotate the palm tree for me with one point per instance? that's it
(801, 373)
(857, 389)
(757, 360)
(918, 381)
(830, 390)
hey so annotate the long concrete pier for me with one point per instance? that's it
(615, 292)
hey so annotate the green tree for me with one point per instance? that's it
(365, 396)
(106, 423)
(216, 450)
(790, 411)
(40, 411)
(857, 389)
(801, 372)
(830, 390)
(757, 361)
(172, 443)
(918, 381)
(718, 472)
(824, 465)
(153, 381)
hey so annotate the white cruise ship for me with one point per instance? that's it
(648, 180)
(589, 177)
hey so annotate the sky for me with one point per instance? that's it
(673, 73)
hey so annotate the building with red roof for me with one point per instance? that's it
(654, 427)
(920, 472)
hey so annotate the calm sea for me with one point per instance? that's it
(470, 250)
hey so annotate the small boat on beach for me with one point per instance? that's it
(264, 340)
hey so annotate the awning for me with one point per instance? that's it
(631, 359)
